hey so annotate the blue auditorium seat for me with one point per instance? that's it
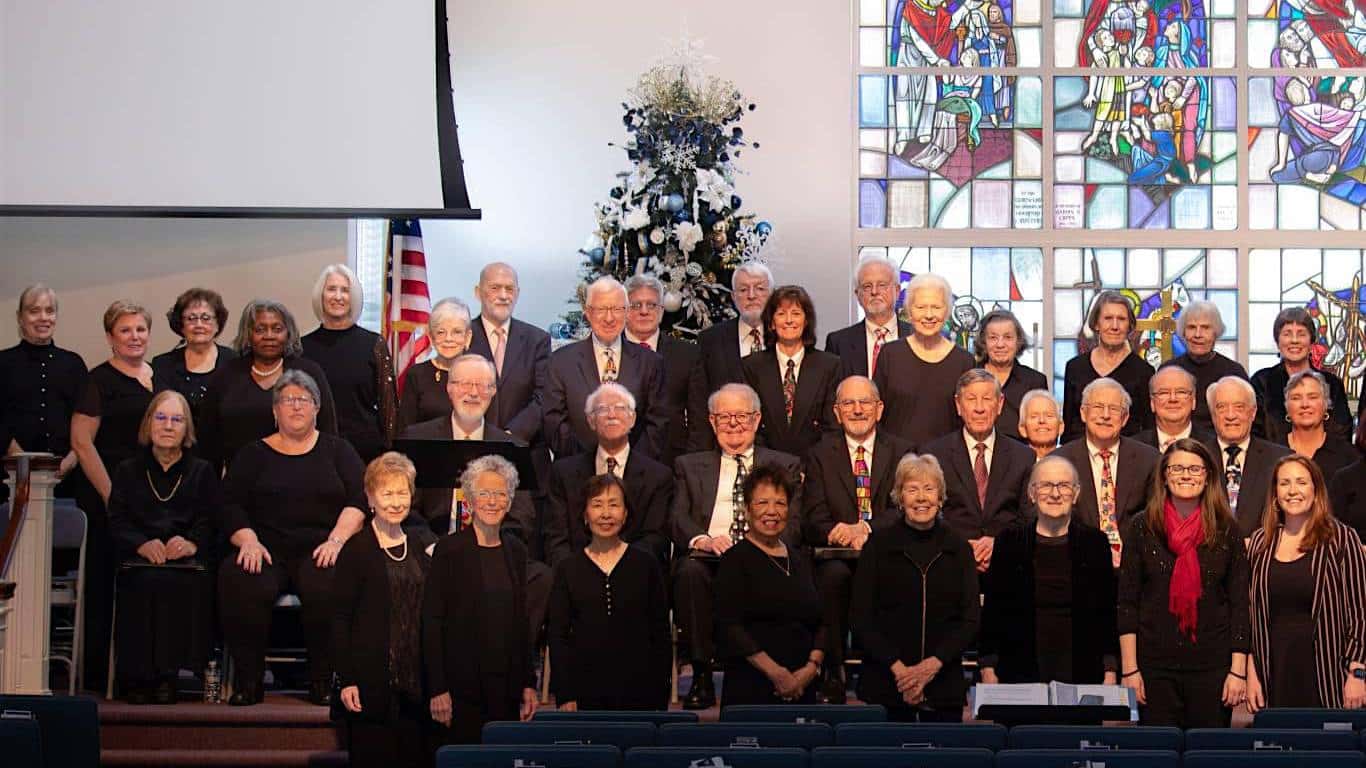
(1228, 758)
(748, 735)
(833, 714)
(1269, 738)
(623, 736)
(1094, 737)
(711, 757)
(1330, 719)
(1087, 758)
(21, 741)
(980, 735)
(617, 716)
(543, 755)
(895, 757)
(70, 727)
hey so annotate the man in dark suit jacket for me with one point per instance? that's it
(1004, 467)
(643, 315)
(840, 518)
(649, 484)
(1104, 411)
(876, 286)
(577, 369)
(1246, 461)
(703, 514)
(1172, 391)
(723, 345)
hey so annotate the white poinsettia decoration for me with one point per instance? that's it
(635, 218)
(688, 235)
(713, 189)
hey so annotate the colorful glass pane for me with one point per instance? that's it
(1144, 33)
(921, 33)
(1306, 33)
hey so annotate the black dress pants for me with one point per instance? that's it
(403, 740)
(1185, 698)
(693, 605)
(247, 600)
(834, 582)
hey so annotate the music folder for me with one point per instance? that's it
(440, 462)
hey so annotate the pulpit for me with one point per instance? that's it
(26, 562)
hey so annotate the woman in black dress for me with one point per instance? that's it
(104, 432)
(1049, 608)
(1296, 333)
(376, 626)
(917, 378)
(476, 644)
(796, 382)
(355, 361)
(424, 385)
(162, 507)
(239, 406)
(1000, 341)
(1308, 599)
(197, 317)
(609, 615)
(1309, 430)
(1112, 321)
(768, 613)
(1183, 596)
(291, 501)
(915, 603)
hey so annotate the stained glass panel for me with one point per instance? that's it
(1305, 33)
(1144, 33)
(921, 33)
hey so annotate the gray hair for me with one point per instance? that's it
(604, 283)
(491, 463)
(1309, 373)
(927, 281)
(1197, 310)
(976, 376)
(357, 292)
(756, 268)
(605, 388)
(293, 377)
(912, 466)
(484, 273)
(1049, 461)
(1238, 381)
(470, 357)
(293, 346)
(1105, 382)
(31, 294)
(874, 261)
(446, 309)
(864, 379)
(644, 281)
(1035, 394)
(734, 388)
(1190, 377)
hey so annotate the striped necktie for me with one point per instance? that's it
(863, 485)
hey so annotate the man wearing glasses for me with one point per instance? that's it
(708, 518)
(1116, 487)
(643, 315)
(579, 368)
(1247, 461)
(723, 345)
(876, 288)
(1172, 392)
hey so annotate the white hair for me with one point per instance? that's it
(1105, 382)
(873, 261)
(734, 388)
(928, 280)
(610, 387)
(757, 268)
(447, 309)
(1238, 381)
(357, 293)
(604, 283)
(1049, 461)
(1197, 310)
(1035, 394)
(491, 463)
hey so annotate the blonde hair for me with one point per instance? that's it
(388, 465)
(145, 427)
(124, 307)
(918, 467)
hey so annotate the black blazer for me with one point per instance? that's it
(360, 621)
(813, 407)
(1009, 615)
(850, 345)
(649, 491)
(1136, 464)
(517, 404)
(1198, 433)
(695, 493)
(680, 359)
(1007, 500)
(573, 375)
(1347, 494)
(719, 354)
(829, 494)
(1269, 384)
(452, 603)
(1257, 464)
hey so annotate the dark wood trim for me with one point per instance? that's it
(229, 212)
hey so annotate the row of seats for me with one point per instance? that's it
(49, 731)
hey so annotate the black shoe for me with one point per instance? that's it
(138, 695)
(320, 693)
(702, 694)
(832, 688)
(165, 691)
(245, 694)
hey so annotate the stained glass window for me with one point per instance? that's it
(1321, 34)
(1144, 33)
(922, 33)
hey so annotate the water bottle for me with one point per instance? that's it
(213, 683)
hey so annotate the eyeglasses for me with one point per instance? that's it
(162, 418)
(1190, 470)
(1106, 408)
(200, 318)
(1061, 489)
(1167, 394)
(466, 385)
(753, 290)
(612, 410)
(743, 417)
(297, 401)
(648, 306)
(617, 311)
(487, 496)
(875, 287)
(862, 403)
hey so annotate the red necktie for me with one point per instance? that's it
(881, 334)
(979, 473)
(646, 344)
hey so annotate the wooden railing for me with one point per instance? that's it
(18, 510)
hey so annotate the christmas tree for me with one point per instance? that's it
(675, 214)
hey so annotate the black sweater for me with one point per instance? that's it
(236, 410)
(136, 515)
(357, 367)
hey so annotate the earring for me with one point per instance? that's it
(1287, 419)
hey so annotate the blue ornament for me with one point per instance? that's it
(735, 202)
(682, 216)
(596, 255)
(675, 202)
(763, 228)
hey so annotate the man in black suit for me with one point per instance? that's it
(876, 285)
(987, 477)
(577, 369)
(471, 386)
(707, 520)
(649, 484)
(847, 493)
(643, 315)
(1115, 470)
(723, 345)
(1172, 392)
(1247, 461)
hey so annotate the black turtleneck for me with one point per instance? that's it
(39, 387)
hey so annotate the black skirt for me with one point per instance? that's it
(163, 620)
(1290, 588)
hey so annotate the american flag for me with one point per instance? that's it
(406, 301)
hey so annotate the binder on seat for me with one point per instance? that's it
(1086, 737)
(832, 714)
(1228, 758)
(623, 736)
(616, 716)
(747, 735)
(1269, 739)
(894, 757)
(1085, 758)
(713, 757)
(545, 756)
(922, 735)
(1326, 719)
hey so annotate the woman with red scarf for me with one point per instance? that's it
(1183, 597)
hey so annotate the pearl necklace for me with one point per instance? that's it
(385, 549)
(270, 372)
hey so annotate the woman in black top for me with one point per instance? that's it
(355, 361)
(424, 385)
(999, 343)
(609, 615)
(291, 502)
(1308, 599)
(1309, 429)
(1183, 597)
(915, 605)
(376, 625)
(476, 644)
(238, 408)
(1112, 320)
(1296, 333)
(197, 317)
(768, 614)
(1049, 609)
(917, 379)
(162, 507)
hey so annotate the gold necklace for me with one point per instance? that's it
(170, 495)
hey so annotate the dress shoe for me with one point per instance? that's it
(832, 688)
(138, 696)
(702, 694)
(245, 694)
(165, 691)
(320, 693)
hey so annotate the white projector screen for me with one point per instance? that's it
(252, 104)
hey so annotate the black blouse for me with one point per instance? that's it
(119, 401)
(767, 604)
(237, 410)
(919, 394)
(170, 372)
(1132, 373)
(1022, 379)
(147, 502)
(356, 363)
(1269, 384)
(39, 388)
(1206, 372)
(424, 395)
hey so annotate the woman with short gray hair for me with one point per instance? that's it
(424, 385)
(1309, 429)
(1200, 326)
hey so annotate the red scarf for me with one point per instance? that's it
(1183, 537)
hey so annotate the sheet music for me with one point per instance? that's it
(1016, 694)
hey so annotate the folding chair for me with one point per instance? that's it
(68, 591)
(746, 735)
(893, 757)
(988, 736)
(1221, 758)
(123, 568)
(623, 736)
(616, 716)
(1085, 758)
(289, 602)
(832, 714)
(544, 756)
(1087, 737)
(1258, 739)
(1326, 719)
(714, 757)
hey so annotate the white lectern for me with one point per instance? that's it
(23, 668)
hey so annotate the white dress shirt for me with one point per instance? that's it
(723, 510)
(1164, 439)
(458, 495)
(600, 355)
(652, 340)
(600, 464)
(490, 326)
(746, 343)
(989, 442)
(796, 360)
(1242, 453)
(1098, 467)
(870, 330)
(867, 446)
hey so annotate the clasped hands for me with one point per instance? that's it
(157, 552)
(789, 685)
(852, 535)
(911, 681)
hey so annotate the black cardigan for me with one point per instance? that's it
(453, 603)
(360, 620)
(1008, 614)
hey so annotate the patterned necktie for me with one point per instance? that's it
(979, 473)
(738, 524)
(881, 334)
(499, 349)
(461, 519)
(612, 465)
(790, 388)
(863, 485)
(609, 367)
(1233, 474)
(1109, 524)
(756, 341)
